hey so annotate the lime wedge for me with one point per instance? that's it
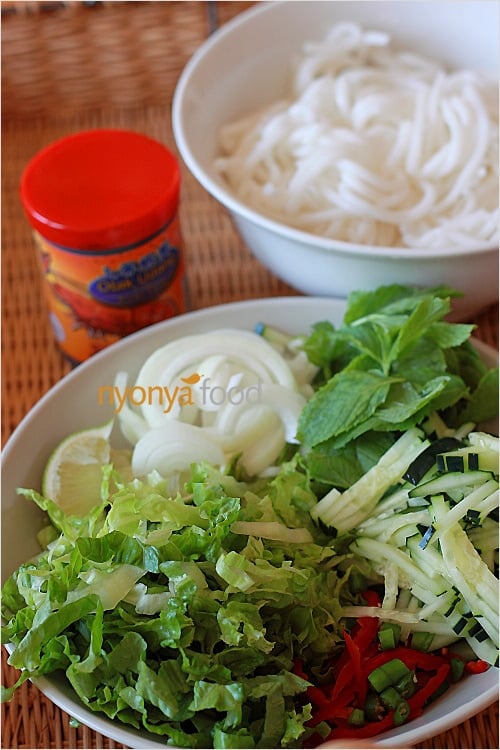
(72, 476)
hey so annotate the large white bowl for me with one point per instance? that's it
(246, 65)
(73, 405)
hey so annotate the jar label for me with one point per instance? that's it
(97, 298)
(136, 282)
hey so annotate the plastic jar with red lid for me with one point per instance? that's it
(103, 205)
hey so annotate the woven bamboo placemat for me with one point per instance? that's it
(72, 66)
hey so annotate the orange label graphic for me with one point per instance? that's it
(97, 298)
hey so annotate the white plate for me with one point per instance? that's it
(73, 405)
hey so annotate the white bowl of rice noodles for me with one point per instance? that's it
(354, 144)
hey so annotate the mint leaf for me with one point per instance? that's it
(483, 402)
(448, 335)
(421, 362)
(347, 399)
(428, 311)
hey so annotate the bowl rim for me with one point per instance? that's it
(224, 195)
(59, 691)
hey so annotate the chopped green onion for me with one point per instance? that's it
(401, 713)
(357, 717)
(457, 667)
(390, 697)
(422, 641)
(388, 674)
(388, 635)
(374, 710)
(407, 685)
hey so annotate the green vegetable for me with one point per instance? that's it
(387, 675)
(163, 617)
(401, 713)
(388, 635)
(422, 641)
(390, 697)
(357, 717)
(393, 362)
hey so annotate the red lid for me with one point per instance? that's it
(101, 189)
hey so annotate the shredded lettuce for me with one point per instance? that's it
(166, 619)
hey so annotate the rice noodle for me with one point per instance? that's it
(373, 146)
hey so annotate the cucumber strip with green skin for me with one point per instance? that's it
(461, 557)
(396, 500)
(381, 552)
(451, 481)
(429, 561)
(486, 506)
(348, 509)
(441, 604)
(401, 536)
(459, 619)
(472, 500)
(486, 650)
(458, 616)
(464, 565)
(426, 460)
(469, 458)
(383, 529)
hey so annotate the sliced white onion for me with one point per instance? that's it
(286, 403)
(132, 425)
(175, 416)
(252, 425)
(244, 349)
(173, 448)
(263, 452)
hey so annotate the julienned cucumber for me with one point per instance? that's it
(450, 481)
(468, 459)
(434, 543)
(342, 511)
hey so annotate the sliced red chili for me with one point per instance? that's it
(417, 701)
(371, 598)
(366, 632)
(369, 729)
(357, 675)
(476, 666)
(317, 696)
(344, 680)
(363, 635)
(334, 710)
(298, 669)
(409, 656)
